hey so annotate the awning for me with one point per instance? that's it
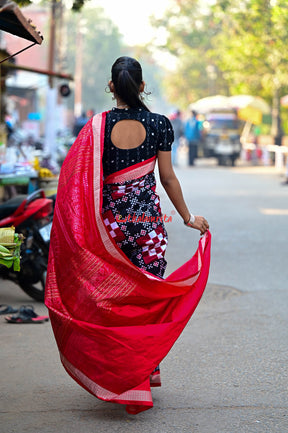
(13, 21)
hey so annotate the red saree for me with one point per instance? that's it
(113, 322)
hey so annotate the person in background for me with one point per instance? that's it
(90, 113)
(9, 125)
(79, 123)
(178, 128)
(192, 134)
(286, 172)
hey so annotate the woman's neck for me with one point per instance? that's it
(121, 104)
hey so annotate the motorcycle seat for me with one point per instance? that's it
(9, 206)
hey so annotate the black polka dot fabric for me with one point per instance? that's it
(159, 136)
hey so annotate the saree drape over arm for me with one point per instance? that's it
(112, 321)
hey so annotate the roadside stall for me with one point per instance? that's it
(14, 177)
(27, 175)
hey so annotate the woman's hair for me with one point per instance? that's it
(126, 74)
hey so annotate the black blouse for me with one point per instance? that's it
(159, 136)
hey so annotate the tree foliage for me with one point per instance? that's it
(243, 41)
(251, 48)
(101, 45)
(190, 30)
(76, 6)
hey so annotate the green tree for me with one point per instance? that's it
(190, 29)
(244, 42)
(251, 48)
(76, 6)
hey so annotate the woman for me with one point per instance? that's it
(113, 315)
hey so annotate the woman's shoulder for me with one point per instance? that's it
(165, 130)
(161, 118)
(139, 114)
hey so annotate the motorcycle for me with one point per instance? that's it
(32, 216)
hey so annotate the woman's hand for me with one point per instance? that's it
(200, 223)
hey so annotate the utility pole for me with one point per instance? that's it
(51, 97)
(51, 59)
(81, 30)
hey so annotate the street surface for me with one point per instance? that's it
(227, 373)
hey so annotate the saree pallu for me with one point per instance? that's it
(113, 322)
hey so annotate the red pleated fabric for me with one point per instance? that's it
(113, 322)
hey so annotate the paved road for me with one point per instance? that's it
(228, 371)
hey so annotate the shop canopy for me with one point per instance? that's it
(13, 21)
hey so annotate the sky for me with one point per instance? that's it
(132, 17)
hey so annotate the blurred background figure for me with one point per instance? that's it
(9, 122)
(90, 113)
(286, 172)
(178, 128)
(192, 134)
(79, 123)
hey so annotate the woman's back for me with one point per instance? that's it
(134, 135)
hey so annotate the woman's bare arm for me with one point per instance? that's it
(173, 189)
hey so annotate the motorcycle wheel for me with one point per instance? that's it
(35, 288)
(36, 292)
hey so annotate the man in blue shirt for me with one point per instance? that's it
(178, 128)
(193, 135)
